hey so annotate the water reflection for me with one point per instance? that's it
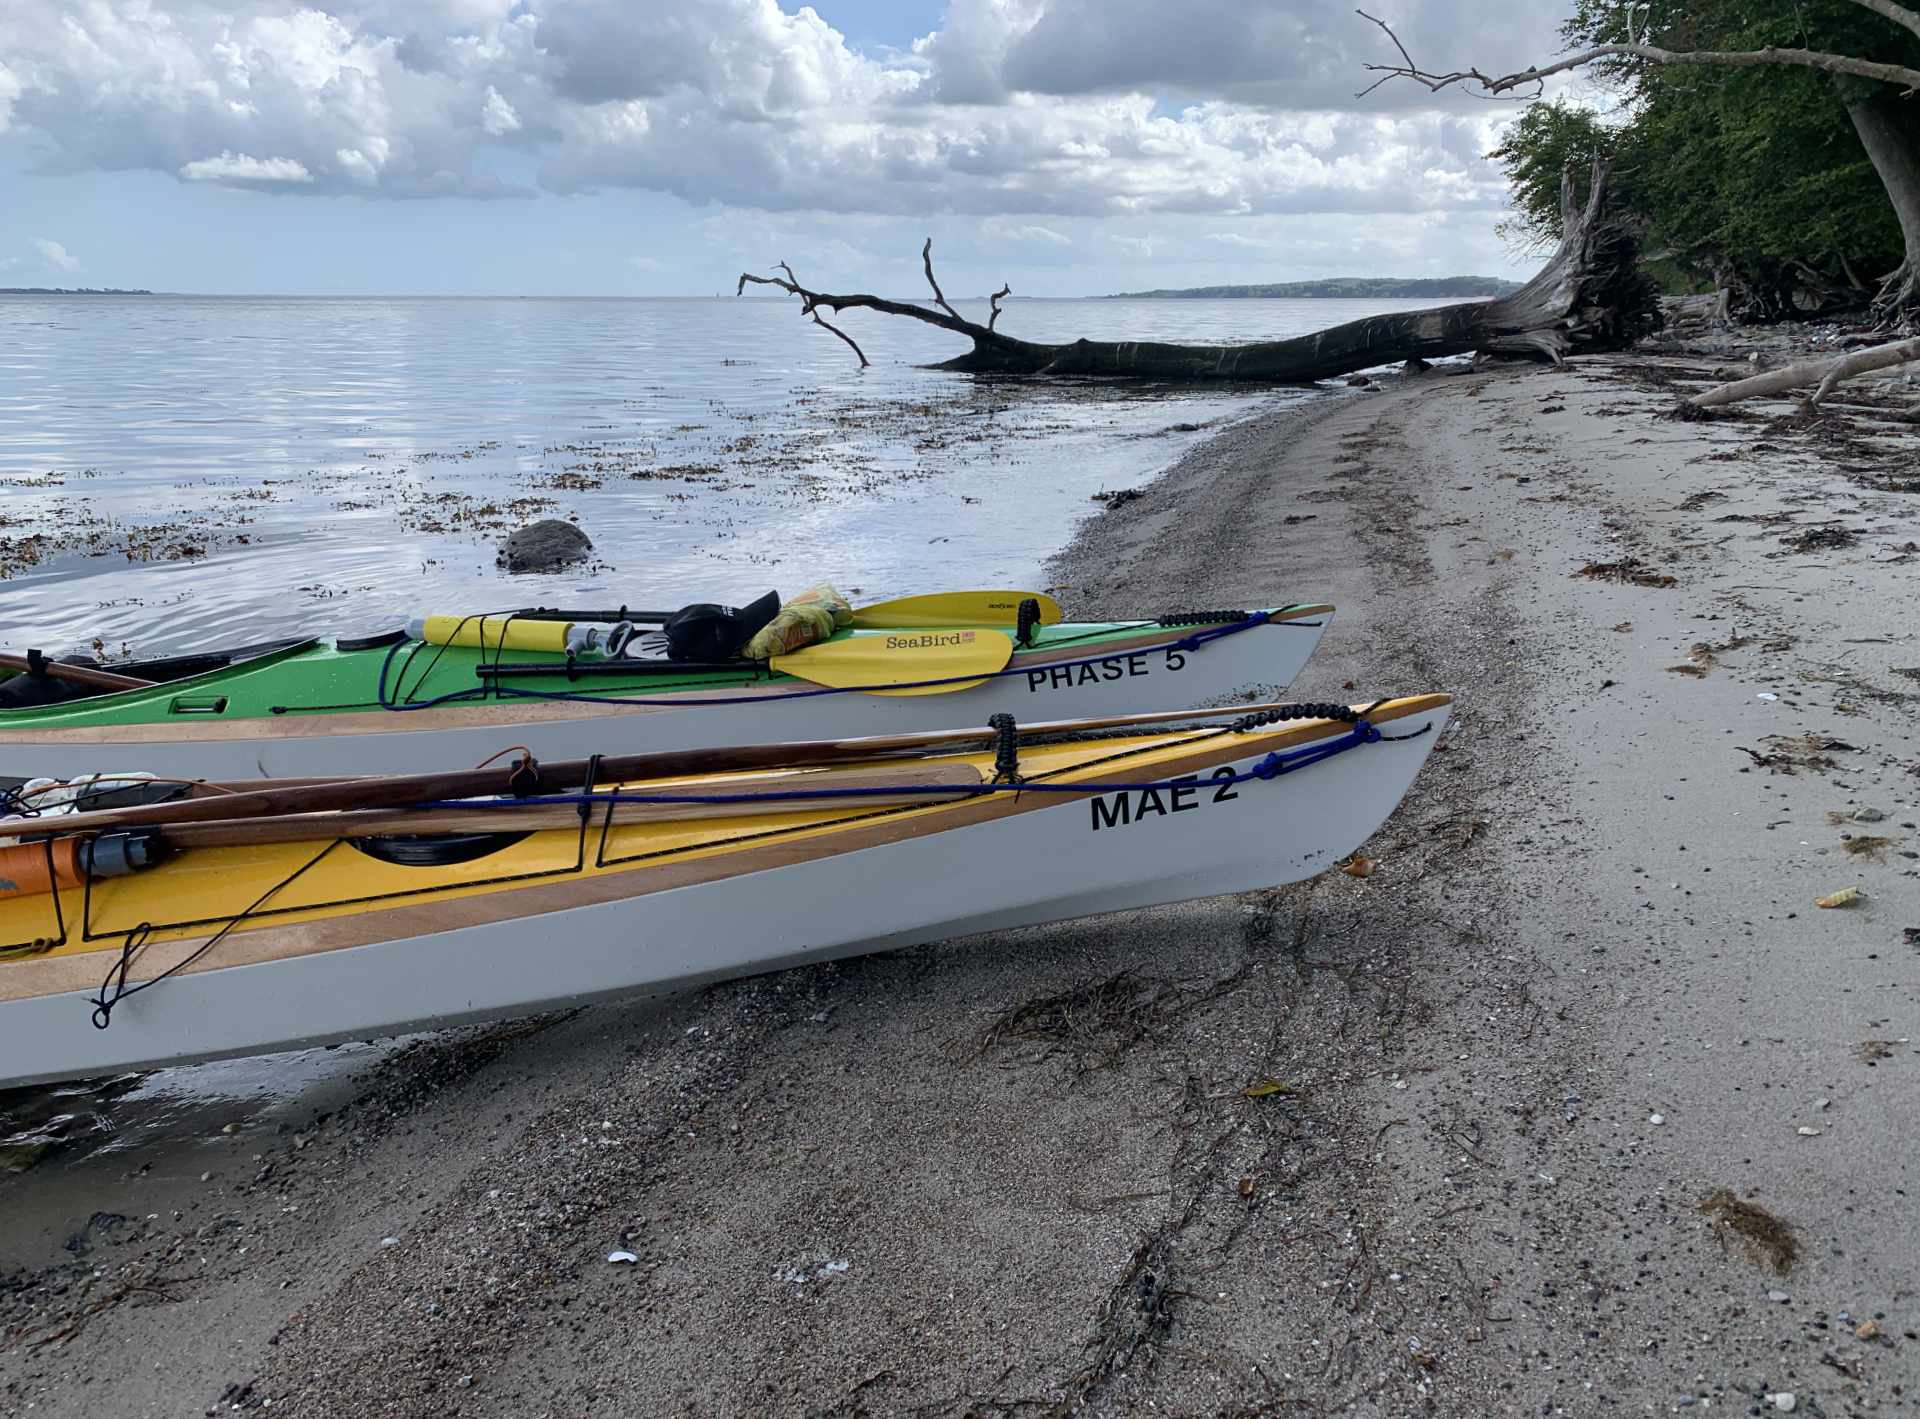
(203, 471)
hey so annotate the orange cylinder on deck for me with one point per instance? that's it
(24, 868)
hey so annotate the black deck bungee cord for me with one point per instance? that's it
(115, 989)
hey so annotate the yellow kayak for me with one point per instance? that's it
(243, 934)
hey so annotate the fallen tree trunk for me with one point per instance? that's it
(1591, 296)
(1823, 374)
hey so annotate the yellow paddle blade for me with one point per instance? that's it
(954, 608)
(901, 660)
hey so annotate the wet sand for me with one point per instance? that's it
(1585, 990)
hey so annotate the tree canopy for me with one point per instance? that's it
(1752, 178)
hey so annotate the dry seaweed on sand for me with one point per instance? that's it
(1831, 538)
(1789, 753)
(1704, 655)
(1693, 502)
(1868, 846)
(1764, 1236)
(1097, 1022)
(1629, 569)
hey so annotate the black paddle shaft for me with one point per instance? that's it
(584, 669)
(549, 613)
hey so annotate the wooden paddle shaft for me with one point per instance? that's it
(408, 790)
(78, 674)
(306, 827)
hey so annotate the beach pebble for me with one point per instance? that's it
(1805, 1132)
(1785, 1400)
(1656, 1119)
(389, 1241)
(615, 1258)
(465, 1382)
(544, 546)
(1778, 1297)
(1869, 815)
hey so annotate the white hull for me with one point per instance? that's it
(422, 741)
(1049, 864)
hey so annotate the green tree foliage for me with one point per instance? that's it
(1751, 178)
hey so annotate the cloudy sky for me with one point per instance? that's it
(646, 147)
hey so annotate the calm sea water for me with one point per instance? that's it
(179, 472)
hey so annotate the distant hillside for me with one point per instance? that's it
(62, 291)
(1344, 288)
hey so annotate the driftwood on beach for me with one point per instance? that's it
(1590, 297)
(1824, 374)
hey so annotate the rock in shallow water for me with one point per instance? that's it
(544, 546)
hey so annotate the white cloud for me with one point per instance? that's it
(9, 91)
(646, 263)
(1137, 246)
(1054, 109)
(55, 255)
(239, 167)
(7, 263)
(497, 115)
(1294, 54)
(1240, 239)
(1046, 236)
(363, 167)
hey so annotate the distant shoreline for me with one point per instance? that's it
(1340, 288)
(1462, 288)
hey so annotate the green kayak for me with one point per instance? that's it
(395, 704)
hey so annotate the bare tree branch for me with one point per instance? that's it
(1492, 85)
(926, 259)
(810, 304)
(1899, 14)
(996, 298)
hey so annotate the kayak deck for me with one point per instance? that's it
(324, 892)
(320, 679)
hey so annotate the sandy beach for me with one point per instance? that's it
(1585, 1107)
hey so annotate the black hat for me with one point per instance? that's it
(705, 631)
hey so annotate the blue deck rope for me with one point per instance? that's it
(1275, 764)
